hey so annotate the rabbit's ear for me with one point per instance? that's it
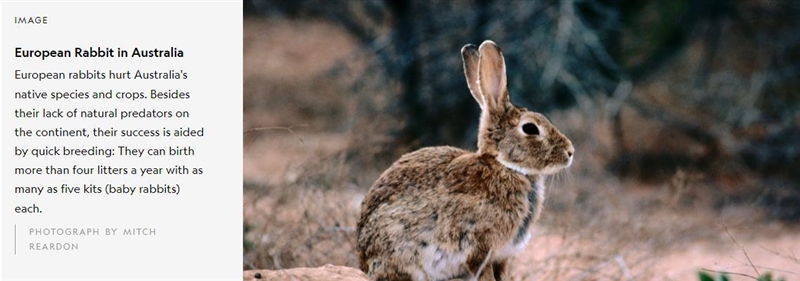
(471, 58)
(492, 73)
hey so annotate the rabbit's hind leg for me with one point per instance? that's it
(381, 271)
(390, 276)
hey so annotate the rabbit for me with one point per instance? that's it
(442, 213)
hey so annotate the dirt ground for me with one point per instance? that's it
(302, 196)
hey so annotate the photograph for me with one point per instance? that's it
(521, 140)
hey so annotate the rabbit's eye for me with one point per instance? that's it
(530, 129)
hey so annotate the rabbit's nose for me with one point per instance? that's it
(570, 151)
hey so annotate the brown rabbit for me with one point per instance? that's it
(441, 212)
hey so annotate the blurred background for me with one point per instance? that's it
(685, 116)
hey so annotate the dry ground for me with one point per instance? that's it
(302, 192)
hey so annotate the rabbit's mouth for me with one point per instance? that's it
(549, 170)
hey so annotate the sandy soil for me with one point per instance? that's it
(772, 253)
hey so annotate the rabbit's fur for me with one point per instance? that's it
(442, 212)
